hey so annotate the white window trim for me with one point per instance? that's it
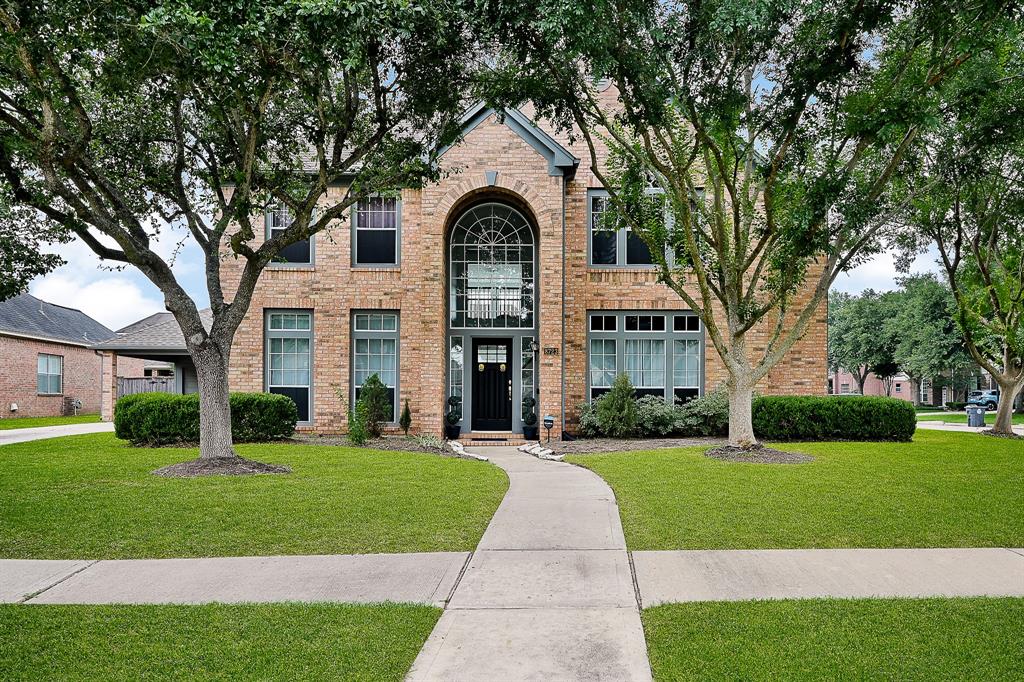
(397, 229)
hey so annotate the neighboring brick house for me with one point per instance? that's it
(844, 383)
(489, 285)
(45, 359)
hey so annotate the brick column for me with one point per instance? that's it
(108, 389)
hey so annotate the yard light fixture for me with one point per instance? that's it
(549, 422)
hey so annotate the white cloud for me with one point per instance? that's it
(880, 273)
(114, 300)
(117, 297)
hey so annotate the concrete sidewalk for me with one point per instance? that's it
(734, 575)
(549, 593)
(426, 578)
(9, 436)
(961, 428)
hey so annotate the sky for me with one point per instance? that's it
(117, 298)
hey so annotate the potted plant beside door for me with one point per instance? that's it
(530, 429)
(452, 430)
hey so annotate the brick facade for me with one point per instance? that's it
(332, 288)
(82, 369)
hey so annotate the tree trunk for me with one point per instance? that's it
(861, 380)
(1004, 411)
(741, 417)
(211, 362)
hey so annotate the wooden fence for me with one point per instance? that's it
(132, 385)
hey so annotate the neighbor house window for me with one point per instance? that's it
(614, 244)
(375, 224)
(661, 357)
(279, 219)
(899, 388)
(844, 389)
(49, 374)
(289, 358)
(375, 351)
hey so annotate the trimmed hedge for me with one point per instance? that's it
(811, 418)
(149, 419)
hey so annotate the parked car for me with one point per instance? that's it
(987, 399)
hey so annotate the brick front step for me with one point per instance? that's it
(469, 439)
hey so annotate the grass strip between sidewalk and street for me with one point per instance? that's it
(213, 641)
(834, 639)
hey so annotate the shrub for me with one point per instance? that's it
(655, 417)
(151, 419)
(357, 432)
(588, 425)
(405, 421)
(956, 406)
(811, 418)
(376, 406)
(707, 415)
(616, 409)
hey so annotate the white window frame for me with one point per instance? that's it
(269, 219)
(49, 374)
(293, 325)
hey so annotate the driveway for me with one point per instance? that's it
(42, 432)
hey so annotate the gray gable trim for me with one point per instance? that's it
(560, 161)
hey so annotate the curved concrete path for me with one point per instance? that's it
(549, 593)
(9, 436)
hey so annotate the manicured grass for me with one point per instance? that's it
(961, 418)
(882, 639)
(32, 422)
(251, 641)
(945, 489)
(93, 496)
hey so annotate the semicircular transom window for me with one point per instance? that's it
(492, 282)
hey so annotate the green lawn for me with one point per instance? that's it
(891, 639)
(961, 418)
(945, 489)
(92, 496)
(31, 422)
(251, 641)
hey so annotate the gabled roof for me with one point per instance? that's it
(157, 333)
(560, 160)
(29, 317)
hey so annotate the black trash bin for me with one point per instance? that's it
(975, 415)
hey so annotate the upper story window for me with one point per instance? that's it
(376, 224)
(612, 247)
(278, 219)
(49, 374)
(492, 281)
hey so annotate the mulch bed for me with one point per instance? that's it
(759, 455)
(394, 443)
(220, 466)
(592, 445)
(997, 434)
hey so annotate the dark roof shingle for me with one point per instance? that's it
(159, 332)
(26, 315)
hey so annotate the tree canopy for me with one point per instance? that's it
(124, 120)
(752, 144)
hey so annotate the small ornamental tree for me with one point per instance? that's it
(751, 144)
(405, 421)
(125, 123)
(616, 410)
(375, 405)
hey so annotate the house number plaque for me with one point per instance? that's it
(551, 350)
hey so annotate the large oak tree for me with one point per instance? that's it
(753, 142)
(122, 120)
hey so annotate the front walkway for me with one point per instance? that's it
(549, 593)
(961, 428)
(9, 436)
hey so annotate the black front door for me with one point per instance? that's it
(492, 385)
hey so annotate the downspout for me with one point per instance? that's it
(565, 181)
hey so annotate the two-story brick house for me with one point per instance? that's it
(490, 285)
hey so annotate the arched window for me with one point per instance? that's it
(492, 283)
